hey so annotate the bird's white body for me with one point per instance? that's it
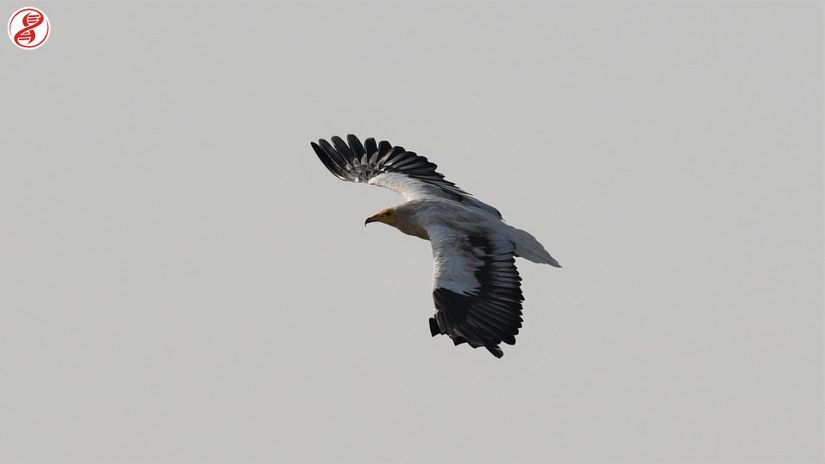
(446, 224)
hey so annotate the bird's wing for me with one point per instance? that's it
(476, 288)
(393, 167)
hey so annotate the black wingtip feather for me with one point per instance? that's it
(434, 330)
(343, 149)
(384, 147)
(495, 350)
(330, 165)
(370, 145)
(355, 145)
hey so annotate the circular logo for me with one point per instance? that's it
(28, 28)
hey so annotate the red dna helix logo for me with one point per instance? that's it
(29, 28)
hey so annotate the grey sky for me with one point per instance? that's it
(183, 281)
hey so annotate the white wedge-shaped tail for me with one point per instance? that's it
(530, 249)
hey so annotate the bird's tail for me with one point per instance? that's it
(530, 249)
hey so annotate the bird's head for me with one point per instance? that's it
(386, 215)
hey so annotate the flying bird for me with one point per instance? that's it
(476, 286)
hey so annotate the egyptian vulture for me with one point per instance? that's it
(476, 286)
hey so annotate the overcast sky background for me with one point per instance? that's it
(181, 280)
